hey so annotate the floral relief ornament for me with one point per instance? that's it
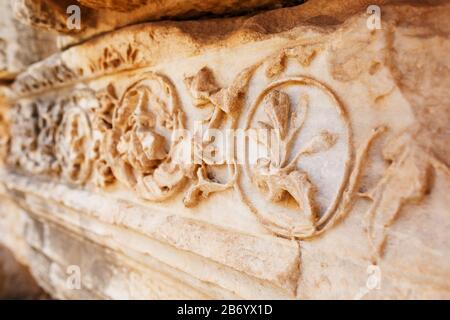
(140, 147)
(300, 182)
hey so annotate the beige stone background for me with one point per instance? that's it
(95, 204)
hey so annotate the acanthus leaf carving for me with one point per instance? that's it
(203, 187)
(205, 92)
(202, 87)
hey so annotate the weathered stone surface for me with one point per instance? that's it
(20, 45)
(54, 15)
(182, 9)
(351, 203)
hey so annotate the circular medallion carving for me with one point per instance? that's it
(74, 136)
(139, 145)
(298, 157)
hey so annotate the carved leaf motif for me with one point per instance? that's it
(277, 107)
(271, 177)
(296, 184)
(203, 187)
(320, 143)
(278, 175)
(202, 86)
(276, 65)
(304, 55)
(204, 91)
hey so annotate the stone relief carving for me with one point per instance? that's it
(113, 58)
(4, 134)
(102, 122)
(103, 136)
(131, 137)
(100, 138)
(303, 54)
(74, 137)
(225, 104)
(138, 126)
(288, 197)
(325, 105)
(33, 136)
(140, 148)
(3, 56)
(407, 180)
(54, 136)
(205, 92)
(308, 176)
(53, 76)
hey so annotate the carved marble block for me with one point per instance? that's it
(317, 158)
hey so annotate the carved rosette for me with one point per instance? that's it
(74, 142)
(33, 133)
(140, 148)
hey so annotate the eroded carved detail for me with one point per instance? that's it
(33, 136)
(74, 142)
(112, 58)
(54, 136)
(102, 122)
(139, 145)
(4, 133)
(304, 55)
(205, 92)
(407, 181)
